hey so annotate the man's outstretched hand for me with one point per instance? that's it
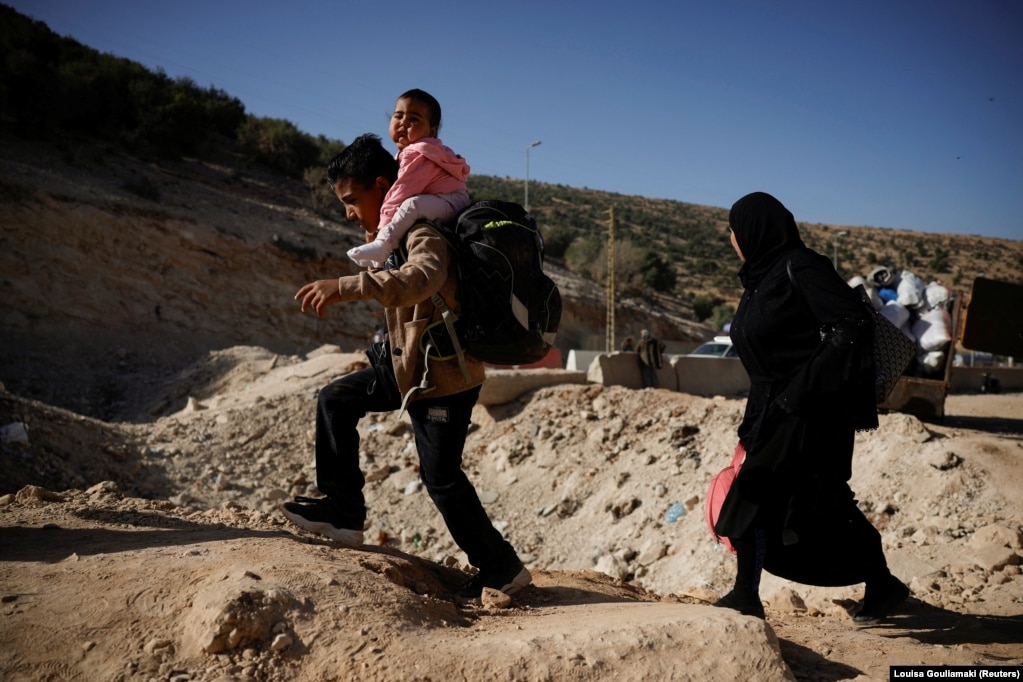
(318, 295)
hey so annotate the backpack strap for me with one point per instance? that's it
(449, 317)
(792, 278)
(798, 289)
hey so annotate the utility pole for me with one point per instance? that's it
(609, 334)
(525, 198)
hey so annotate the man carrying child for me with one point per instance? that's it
(436, 394)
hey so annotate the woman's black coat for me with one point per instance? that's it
(804, 338)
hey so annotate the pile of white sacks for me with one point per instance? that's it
(920, 311)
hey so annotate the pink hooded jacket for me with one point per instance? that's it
(424, 167)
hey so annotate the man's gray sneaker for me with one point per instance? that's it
(509, 579)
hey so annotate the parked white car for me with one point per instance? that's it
(720, 347)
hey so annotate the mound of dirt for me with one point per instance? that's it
(180, 564)
(159, 408)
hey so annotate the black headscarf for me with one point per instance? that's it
(764, 230)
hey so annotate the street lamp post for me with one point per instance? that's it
(834, 245)
(525, 202)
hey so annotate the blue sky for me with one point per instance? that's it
(887, 113)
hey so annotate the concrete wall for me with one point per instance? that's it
(581, 359)
(616, 369)
(552, 360)
(702, 376)
(969, 379)
(622, 369)
(706, 376)
(505, 385)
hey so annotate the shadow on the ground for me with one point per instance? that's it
(807, 664)
(934, 625)
(52, 543)
(999, 425)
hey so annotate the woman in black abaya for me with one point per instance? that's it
(804, 338)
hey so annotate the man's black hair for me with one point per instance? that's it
(363, 161)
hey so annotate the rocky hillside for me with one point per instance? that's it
(693, 239)
(105, 291)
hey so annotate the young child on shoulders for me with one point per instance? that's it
(431, 177)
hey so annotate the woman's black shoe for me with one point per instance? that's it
(881, 601)
(746, 603)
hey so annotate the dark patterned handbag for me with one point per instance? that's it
(893, 350)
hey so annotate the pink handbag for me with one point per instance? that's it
(718, 490)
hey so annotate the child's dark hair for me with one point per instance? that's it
(363, 161)
(423, 97)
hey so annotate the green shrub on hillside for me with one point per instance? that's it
(556, 240)
(52, 87)
(657, 274)
(704, 306)
(722, 315)
(278, 144)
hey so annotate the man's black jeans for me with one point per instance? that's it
(440, 426)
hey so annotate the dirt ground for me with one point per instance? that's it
(155, 551)
(146, 543)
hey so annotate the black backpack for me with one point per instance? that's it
(510, 308)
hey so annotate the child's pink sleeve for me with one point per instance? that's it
(415, 173)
